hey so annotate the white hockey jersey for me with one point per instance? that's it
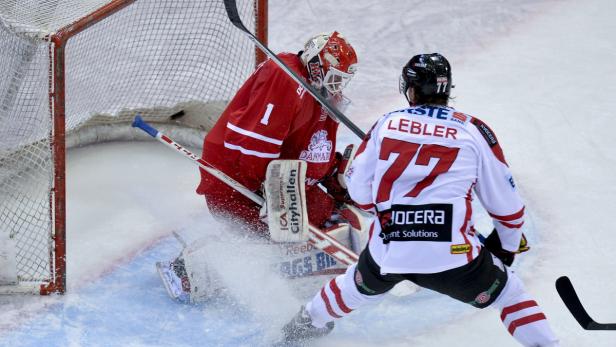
(417, 167)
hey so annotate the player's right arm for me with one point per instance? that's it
(256, 131)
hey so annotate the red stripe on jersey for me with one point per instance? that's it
(362, 148)
(517, 307)
(510, 217)
(366, 207)
(364, 142)
(328, 306)
(467, 218)
(334, 287)
(370, 232)
(525, 320)
(512, 226)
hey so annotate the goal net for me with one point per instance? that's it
(74, 72)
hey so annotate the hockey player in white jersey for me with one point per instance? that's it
(416, 170)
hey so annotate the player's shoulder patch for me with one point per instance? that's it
(490, 138)
(485, 131)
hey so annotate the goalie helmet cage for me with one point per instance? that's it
(74, 72)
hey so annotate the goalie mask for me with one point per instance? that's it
(331, 62)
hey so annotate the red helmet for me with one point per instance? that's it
(331, 61)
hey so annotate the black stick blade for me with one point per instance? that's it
(234, 16)
(572, 301)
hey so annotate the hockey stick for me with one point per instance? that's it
(234, 17)
(317, 237)
(572, 301)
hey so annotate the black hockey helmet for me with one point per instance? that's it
(429, 74)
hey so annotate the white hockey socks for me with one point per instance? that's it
(522, 316)
(338, 298)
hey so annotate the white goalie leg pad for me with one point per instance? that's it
(205, 283)
(359, 222)
(285, 200)
(8, 259)
(307, 266)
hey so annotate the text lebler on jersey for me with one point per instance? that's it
(418, 128)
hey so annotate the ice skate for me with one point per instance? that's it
(175, 279)
(300, 328)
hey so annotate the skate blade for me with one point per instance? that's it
(169, 282)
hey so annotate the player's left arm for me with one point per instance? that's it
(496, 188)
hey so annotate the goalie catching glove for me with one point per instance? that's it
(493, 244)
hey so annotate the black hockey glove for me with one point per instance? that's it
(333, 186)
(493, 244)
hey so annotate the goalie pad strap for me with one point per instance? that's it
(285, 200)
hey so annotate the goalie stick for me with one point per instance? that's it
(317, 237)
(235, 19)
(572, 301)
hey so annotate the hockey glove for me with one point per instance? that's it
(493, 244)
(333, 185)
(340, 195)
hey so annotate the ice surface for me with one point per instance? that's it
(540, 73)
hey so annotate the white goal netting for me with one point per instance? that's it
(176, 62)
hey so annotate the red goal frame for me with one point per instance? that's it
(58, 132)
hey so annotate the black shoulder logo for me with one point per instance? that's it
(485, 131)
(490, 138)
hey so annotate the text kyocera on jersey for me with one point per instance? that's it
(418, 128)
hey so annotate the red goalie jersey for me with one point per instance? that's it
(270, 117)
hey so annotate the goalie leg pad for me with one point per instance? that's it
(285, 200)
(205, 283)
(360, 226)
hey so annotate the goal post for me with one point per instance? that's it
(75, 72)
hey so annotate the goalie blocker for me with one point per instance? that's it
(285, 210)
(286, 213)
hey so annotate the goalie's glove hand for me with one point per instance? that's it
(340, 194)
(332, 182)
(493, 244)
